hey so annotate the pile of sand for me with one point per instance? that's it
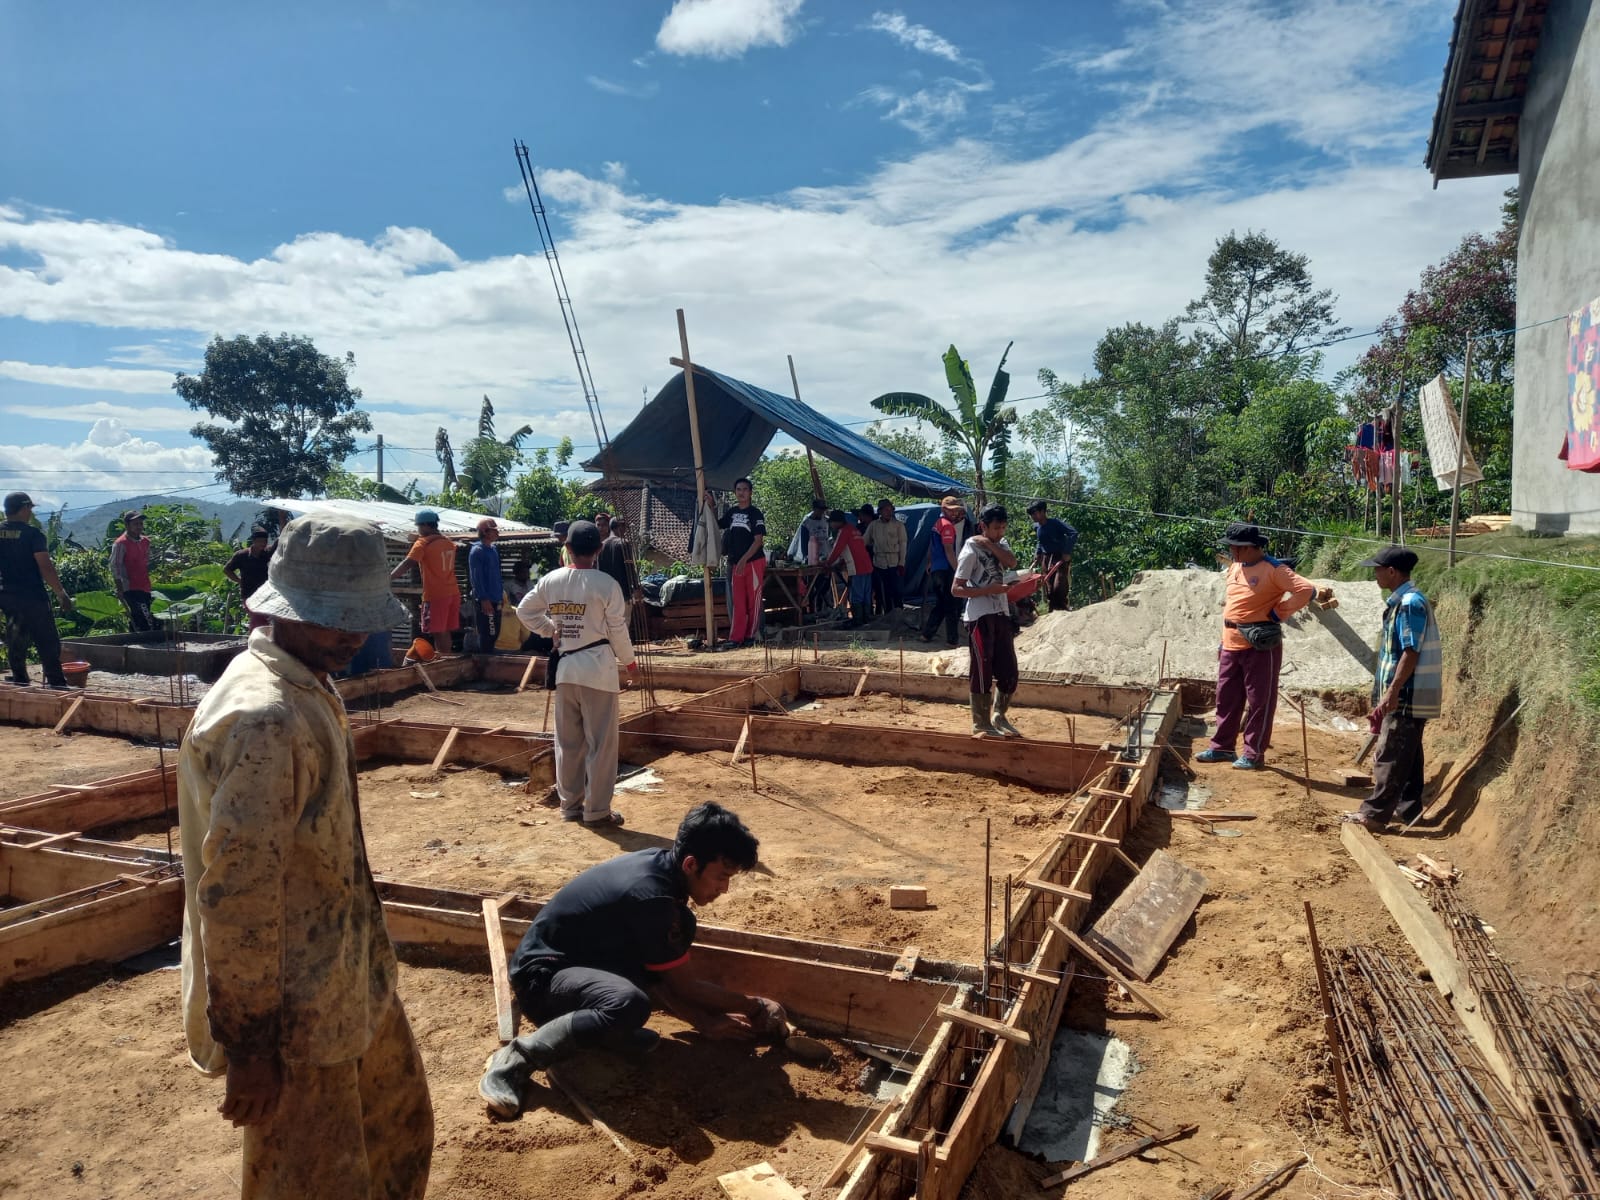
(1120, 640)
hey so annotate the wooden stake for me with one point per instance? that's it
(1330, 1026)
(738, 747)
(72, 711)
(902, 676)
(588, 1113)
(448, 745)
(504, 1005)
(544, 725)
(1117, 1155)
(1305, 746)
(841, 1168)
(435, 692)
(861, 683)
(1105, 964)
(527, 674)
(699, 471)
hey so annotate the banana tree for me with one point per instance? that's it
(982, 432)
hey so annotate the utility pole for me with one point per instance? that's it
(380, 458)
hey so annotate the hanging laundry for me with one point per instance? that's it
(1581, 447)
(1441, 427)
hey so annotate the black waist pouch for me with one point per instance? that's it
(555, 660)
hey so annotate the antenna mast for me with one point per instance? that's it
(568, 316)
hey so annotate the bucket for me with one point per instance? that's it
(77, 673)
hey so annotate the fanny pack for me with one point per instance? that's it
(555, 660)
(1262, 635)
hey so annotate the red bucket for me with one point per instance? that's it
(77, 673)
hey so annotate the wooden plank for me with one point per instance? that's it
(1123, 858)
(1432, 943)
(108, 928)
(527, 673)
(738, 747)
(760, 1182)
(1144, 921)
(505, 1005)
(1099, 960)
(1117, 1155)
(1201, 814)
(53, 839)
(906, 965)
(448, 745)
(72, 711)
(988, 1024)
(841, 1166)
(861, 684)
(1055, 889)
(1084, 835)
(898, 1146)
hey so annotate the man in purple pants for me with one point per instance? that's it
(1261, 592)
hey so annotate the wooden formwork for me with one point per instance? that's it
(970, 1080)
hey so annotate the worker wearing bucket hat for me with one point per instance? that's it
(1260, 592)
(288, 971)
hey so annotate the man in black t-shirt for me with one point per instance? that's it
(248, 568)
(744, 542)
(25, 570)
(615, 942)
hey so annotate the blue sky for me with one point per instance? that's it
(855, 186)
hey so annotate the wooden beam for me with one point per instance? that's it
(906, 965)
(588, 1114)
(1105, 964)
(116, 924)
(54, 839)
(505, 1005)
(72, 711)
(1117, 1155)
(988, 1024)
(445, 748)
(1084, 835)
(1201, 814)
(899, 1146)
(1432, 943)
(841, 1166)
(758, 1182)
(738, 747)
(861, 683)
(527, 674)
(1055, 889)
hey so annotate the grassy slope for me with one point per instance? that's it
(1523, 822)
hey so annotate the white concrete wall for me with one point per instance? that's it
(1558, 263)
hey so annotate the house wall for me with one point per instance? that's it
(1558, 263)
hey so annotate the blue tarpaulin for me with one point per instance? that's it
(737, 422)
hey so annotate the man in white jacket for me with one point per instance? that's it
(583, 610)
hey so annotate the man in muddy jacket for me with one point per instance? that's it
(288, 972)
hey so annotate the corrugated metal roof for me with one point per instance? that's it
(398, 521)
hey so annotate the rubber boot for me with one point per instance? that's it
(1002, 701)
(511, 1066)
(982, 727)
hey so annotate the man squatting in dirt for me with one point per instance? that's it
(583, 609)
(1407, 692)
(1260, 592)
(615, 942)
(288, 971)
(980, 580)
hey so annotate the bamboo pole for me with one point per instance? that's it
(1461, 452)
(1330, 1026)
(699, 469)
(1397, 533)
(811, 462)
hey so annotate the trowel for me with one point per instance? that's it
(806, 1049)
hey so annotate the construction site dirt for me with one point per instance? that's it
(1240, 1050)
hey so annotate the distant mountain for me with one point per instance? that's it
(90, 528)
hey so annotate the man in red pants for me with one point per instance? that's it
(744, 536)
(1261, 592)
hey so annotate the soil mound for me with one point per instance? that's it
(1120, 640)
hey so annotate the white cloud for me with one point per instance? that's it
(110, 461)
(727, 28)
(915, 37)
(928, 111)
(864, 283)
(634, 91)
(96, 379)
(148, 418)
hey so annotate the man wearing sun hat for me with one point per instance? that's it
(1260, 592)
(1407, 690)
(288, 971)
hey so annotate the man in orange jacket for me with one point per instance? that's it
(1261, 592)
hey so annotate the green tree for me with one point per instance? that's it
(486, 461)
(541, 495)
(283, 413)
(1259, 301)
(981, 433)
(347, 485)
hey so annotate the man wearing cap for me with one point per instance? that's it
(288, 971)
(130, 571)
(26, 569)
(584, 611)
(1260, 592)
(248, 568)
(488, 585)
(950, 533)
(1407, 692)
(981, 581)
(435, 557)
(1054, 540)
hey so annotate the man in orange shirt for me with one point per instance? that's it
(1261, 592)
(435, 557)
